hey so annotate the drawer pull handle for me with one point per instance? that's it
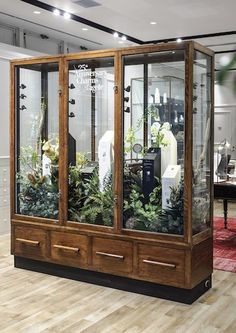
(28, 241)
(159, 263)
(68, 248)
(117, 256)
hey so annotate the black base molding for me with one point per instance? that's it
(187, 296)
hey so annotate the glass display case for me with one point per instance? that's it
(112, 167)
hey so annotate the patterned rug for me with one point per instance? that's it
(225, 245)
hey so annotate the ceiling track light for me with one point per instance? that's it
(56, 12)
(66, 16)
(115, 34)
(123, 37)
(178, 40)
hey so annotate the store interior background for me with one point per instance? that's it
(24, 34)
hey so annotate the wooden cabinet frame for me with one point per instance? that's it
(195, 266)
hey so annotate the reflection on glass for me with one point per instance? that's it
(202, 100)
(91, 139)
(37, 140)
(154, 142)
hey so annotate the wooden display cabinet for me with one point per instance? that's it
(111, 167)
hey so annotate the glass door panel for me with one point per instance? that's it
(154, 141)
(202, 104)
(90, 141)
(37, 139)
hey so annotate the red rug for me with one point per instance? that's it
(225, 245)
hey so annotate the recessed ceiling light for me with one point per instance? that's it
(37, 12)
(85, 29)
(67, 16)
(123, 37)
(153, 22)
(116, 34)
(56, 12)
(178, 40)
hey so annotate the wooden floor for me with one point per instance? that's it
(33, 302)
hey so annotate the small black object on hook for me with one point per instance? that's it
(71, 86)
(127, 110)
(126, 99)
(22, 86)
(71, 115)
(72, 101)
(127, 89)
(23, 96)
(22, 108)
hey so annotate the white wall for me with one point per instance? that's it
(4, 107)
(225, 114)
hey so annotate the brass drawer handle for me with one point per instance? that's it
(28, 241)
(68, 248)
(159, 263)
(117, 256)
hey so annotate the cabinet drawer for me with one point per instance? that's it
(113, 256)
(30, 242)
(160, 264)
(69, 249)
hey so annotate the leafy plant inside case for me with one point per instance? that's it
(172, 218)
(38, 194)
(150, 216)
(87, 204)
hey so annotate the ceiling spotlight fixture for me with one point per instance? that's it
(67, 16)
(178, 40)
(115, 34)
(123, 37)
(56, 12)
(37, 12)
(84, 29)
(153, 23)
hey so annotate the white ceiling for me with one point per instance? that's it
(173, 18)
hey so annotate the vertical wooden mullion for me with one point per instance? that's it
(188, 143)
(63, 141)
(118, 144)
